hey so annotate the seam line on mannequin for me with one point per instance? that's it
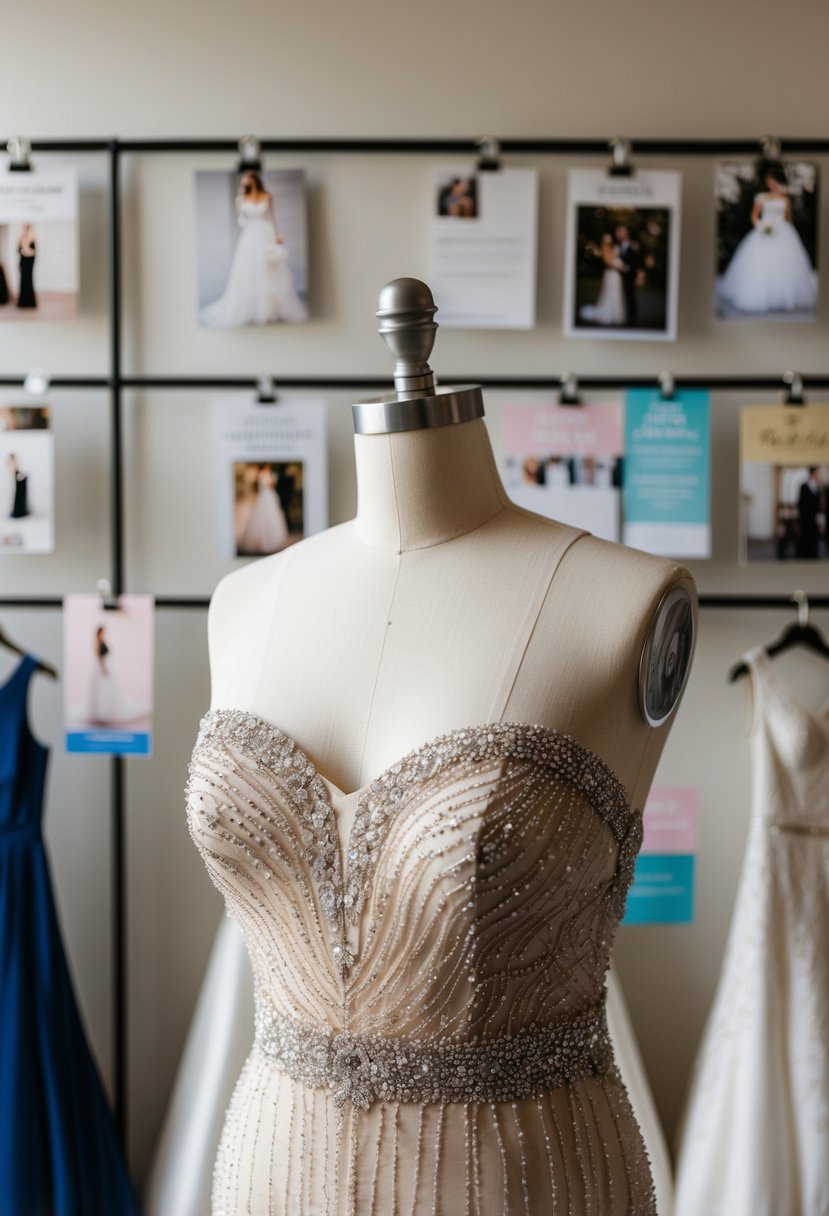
(446, 539)
(287, 555)
(396, 500)
(498, 713)
(379, 668)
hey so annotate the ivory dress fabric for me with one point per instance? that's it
(755, 1140)
(429, 957)
(217, 1046)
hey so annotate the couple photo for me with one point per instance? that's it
(268, 513)
(622, 268)
(623, 274)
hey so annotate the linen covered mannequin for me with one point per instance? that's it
(440, 607)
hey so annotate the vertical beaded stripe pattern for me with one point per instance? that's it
(449, 956)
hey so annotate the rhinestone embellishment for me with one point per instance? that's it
(362, 1069)
(343, 896)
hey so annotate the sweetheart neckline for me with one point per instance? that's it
(419, 748)
(343, 864)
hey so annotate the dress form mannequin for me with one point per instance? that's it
(441, 606)
(374, 636)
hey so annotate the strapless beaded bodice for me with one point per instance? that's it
(445, 955)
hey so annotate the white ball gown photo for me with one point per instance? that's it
(107, 703)
(770, 270)
(265, 530)
(260, 288)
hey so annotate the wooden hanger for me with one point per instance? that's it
(799, 633)
(41, 664)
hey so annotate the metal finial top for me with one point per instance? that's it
(406, 312)
(406, 309)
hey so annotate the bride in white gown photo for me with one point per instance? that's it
(610, 307)
(260, 287)
(261, 525)
(107, 702)
(770, 270)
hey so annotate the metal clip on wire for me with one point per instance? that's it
(20, 151)
(770, 147)
(489, 154)
(621, 148)
(266, 393)
(108, 600)
(667, 385)
(36, 383)
(569, 393)
(250, 153)
(794, 394)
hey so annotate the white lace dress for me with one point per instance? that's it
(755, 1139)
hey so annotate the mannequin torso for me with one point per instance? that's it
(440, 606)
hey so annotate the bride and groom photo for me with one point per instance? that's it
(622, 268)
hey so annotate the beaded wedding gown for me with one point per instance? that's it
(755, 1139)
(429, 957)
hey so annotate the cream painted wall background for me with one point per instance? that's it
(647, 68)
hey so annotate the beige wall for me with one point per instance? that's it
(363, 68)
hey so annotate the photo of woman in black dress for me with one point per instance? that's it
(20, 497)
(27, 249)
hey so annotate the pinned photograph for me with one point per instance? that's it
(484, 248)
(39, 252)
(270, 473)
(457, 196)
(622, 259)
(268, 502)
(251, 247)
(109, 661)
(767, 217)
(565, 462)
(784, 483)
(27, 477)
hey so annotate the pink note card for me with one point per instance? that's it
(671, 820)
(585, 430)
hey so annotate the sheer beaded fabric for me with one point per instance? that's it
(429, 956)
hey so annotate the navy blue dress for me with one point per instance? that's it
(59, 1152)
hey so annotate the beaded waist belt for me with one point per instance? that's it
(366, 1068)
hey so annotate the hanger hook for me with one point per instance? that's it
(802, 600)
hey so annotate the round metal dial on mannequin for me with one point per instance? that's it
(666, 656)
(406, 311)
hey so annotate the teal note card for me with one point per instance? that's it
(663, 890)
(666, 487)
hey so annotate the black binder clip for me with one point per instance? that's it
(20, 152)
(569, 391)
(108, 601)
(266, 394)
(620, 164)
(489, 154)
(794, 392)
(250, 155)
